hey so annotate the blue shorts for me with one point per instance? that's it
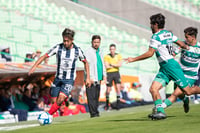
(61, 86)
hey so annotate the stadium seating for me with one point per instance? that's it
(29, 25)
(177, 7)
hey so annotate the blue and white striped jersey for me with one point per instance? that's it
(66, 60)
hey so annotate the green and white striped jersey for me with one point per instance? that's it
(162, 42)
(189, 61)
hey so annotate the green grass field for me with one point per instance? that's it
(130, 120)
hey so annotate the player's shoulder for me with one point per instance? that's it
(118, 54)
(107, 56)
(155, 36)
(160, 34)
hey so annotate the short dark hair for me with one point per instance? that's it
(191, 31)
(158, 19)
(68, 33)
(96, 37)
(112, 45)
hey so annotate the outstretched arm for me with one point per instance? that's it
(144, 56)
(38, 62)
(182, 44)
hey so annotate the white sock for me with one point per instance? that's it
(164, 105)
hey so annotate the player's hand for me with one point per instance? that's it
(105, 79)
(128, 60)
(87, 83)
(31, 71)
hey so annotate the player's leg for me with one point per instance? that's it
(118, 94)
(154, 89)
(65, 90)
(175, 72)
(54, 92)
(108, 89)
(117, 81)
(160, 81)
(185, 98)
(170, 100)
(192, 90)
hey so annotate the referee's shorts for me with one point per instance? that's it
(113, 76)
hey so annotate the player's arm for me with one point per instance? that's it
(144, 56)
(86, 66)
(182, 44)
(119, 63)
(38, 62)
(106, 62)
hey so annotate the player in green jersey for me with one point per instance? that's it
(189, 62)
(161, 44)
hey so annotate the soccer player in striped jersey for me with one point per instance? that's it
(161, 44)
(67, 53)
(189, 62)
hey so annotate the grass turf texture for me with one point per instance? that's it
(123, 121)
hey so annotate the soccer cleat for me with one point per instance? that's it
(154, 111)
(158, 116)
(186, 105)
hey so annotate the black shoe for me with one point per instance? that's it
(96, 115)
(186, 105)
(158, 116)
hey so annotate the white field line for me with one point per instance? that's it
(9, 128)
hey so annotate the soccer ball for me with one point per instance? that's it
(45, 118)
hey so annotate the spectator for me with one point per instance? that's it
(72, 108)
(134, 94)
(36, 55)
(124, 101)
(6, 104)
(45, 96)
(5, 54)
(35, 93)
(29, 57)
(26, 98)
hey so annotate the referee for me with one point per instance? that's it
(112, 63)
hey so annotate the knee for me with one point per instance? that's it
(188, 92)
(60, 100)
(151, 90)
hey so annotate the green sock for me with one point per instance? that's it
(158, 104)
(168, 102)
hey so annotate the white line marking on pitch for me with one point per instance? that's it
(9, 128)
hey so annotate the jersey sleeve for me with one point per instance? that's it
(154, 42)
(81, 55)
(52, 51)
(174, 38)
(175, 49)
(106, 58)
